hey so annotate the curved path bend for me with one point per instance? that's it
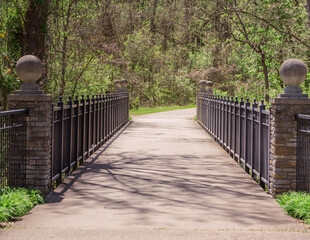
(162, 178)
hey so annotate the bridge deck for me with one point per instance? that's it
(162, 178)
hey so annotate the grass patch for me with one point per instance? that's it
(296, 204)
(16, 202)
(147, 110)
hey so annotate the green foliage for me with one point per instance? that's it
(147, 110)
(155, 77)
(296, 204)
(10, 47)
(163, 48)
(17, 202)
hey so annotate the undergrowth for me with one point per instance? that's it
(296, 204)
(16, 202)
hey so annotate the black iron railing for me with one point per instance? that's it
(81, 127)
(13, 148)
(242, 130)
(303, 153)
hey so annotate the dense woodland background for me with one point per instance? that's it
(162, 47)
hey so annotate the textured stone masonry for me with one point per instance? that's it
(284, 142)
(38, 141)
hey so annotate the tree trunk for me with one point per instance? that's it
(35, 28)
(265, 71)
(152, 21)
(64, 50)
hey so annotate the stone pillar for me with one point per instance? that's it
(38, 141)
(202, 87)
(117, 86)
(124, 90)
(201, 93)
(209, 90)
(123, 84)
(284, 126)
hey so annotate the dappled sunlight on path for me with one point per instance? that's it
(162, 172)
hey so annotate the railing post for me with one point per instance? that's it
(38, 143)
(241, 104)
(246, 142)
(226, 121)
(84, 140)
(260, 144)
(77, 129)
(61, 104)
(232, 118)
(97, 122)
(89, 125)
(69, 102)
(284, 126)
(222, 121)
(105, 119)
(235, 127)
(93, 139)
(254, 106)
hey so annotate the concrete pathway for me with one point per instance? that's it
(162, 178)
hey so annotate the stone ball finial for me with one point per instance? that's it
(117, 83)
(293, 72)
(209, 84)
(29, 68)
(123, 82)
(202, 83)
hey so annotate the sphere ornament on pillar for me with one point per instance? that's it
(202, 86)
(209, 88)
(29, 69)
(293, 72)
(124, 83)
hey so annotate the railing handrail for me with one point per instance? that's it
(303, 116)
(12, 112)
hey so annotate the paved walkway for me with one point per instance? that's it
(162, 178)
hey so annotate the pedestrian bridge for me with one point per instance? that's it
(161, 177)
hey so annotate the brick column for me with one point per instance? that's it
(124, 90)
(284, 127)
(117, 86)
(38, 131)
(209, 90)
(284, 142)
(202, 92)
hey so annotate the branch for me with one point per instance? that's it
(81, 73)
(267, 23)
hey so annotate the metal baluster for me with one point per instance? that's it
(260, 144)
(83, 130)
(254, 105)
(76, 101)
(246, 157)
(93, 124)
(241, 103)
(60, 104)
(235, 127)
(69, 102)
(89, 125)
